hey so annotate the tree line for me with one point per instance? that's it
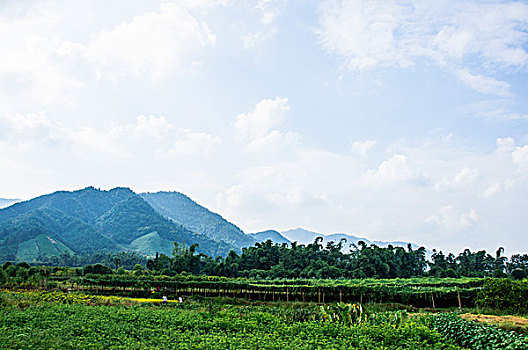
(269, 260)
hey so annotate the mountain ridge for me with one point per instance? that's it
(183, 210)
(304, 236)
(91, 220)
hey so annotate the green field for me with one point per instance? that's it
(34, 321)
(41, 245)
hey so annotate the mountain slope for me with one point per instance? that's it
(193, 216)
(269, 234)
(89, 221)
(134, 218)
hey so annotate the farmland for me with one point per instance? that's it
(123, 312)
(31, 320)
(98, 307)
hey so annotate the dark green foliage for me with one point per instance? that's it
(185, 211)
(477, 336)
(504, 294)
(268, 260)
(97, 269)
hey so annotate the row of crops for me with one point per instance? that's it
(478, 336)
(29, 323)
(53, 319)
(415, 292)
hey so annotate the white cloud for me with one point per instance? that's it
(266, 115)
(27, 132)
(506, 144)
(464, 179)
(271, 9)
(196, 143)
(259, 127)
(520, 157)
(494, 109)
(450, 219)
(370, 34)
(393, 170)
(257, 39)
(497, 188)
(152, 126)
(362, 148)
(47, 55)
(155, 44)
(274, 141)
(485, 85)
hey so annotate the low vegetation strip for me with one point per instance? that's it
(477, 336)
(416, 292)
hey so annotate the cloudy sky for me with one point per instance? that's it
(394, 120)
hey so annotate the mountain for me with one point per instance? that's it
(6, 202)
(275, 237)
(183, 210)
(301, 235)
(306, 237)
(91, 220)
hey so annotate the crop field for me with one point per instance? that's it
(419, 292)
(42, 308)
(41, 320)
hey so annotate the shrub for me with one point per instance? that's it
(504, 294)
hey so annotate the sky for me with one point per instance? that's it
(390, 120)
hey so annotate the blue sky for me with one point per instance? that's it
(393, 120)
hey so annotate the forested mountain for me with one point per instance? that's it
(272, 235)
(181, 209)
(90, 220)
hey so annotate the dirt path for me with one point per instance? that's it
(518, 321)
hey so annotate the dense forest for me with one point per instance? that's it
(267, 260)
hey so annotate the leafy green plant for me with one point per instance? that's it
(347, 314)
(477, 336)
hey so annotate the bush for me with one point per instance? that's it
(504, 294)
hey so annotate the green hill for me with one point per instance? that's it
(42, 245)
(89, 221)
(181, 209)
(270, 234)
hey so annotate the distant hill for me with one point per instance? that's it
(275, 237)
(306, 237)
(91, 220)
(301, 235)
(183, 210)
(6, 202)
